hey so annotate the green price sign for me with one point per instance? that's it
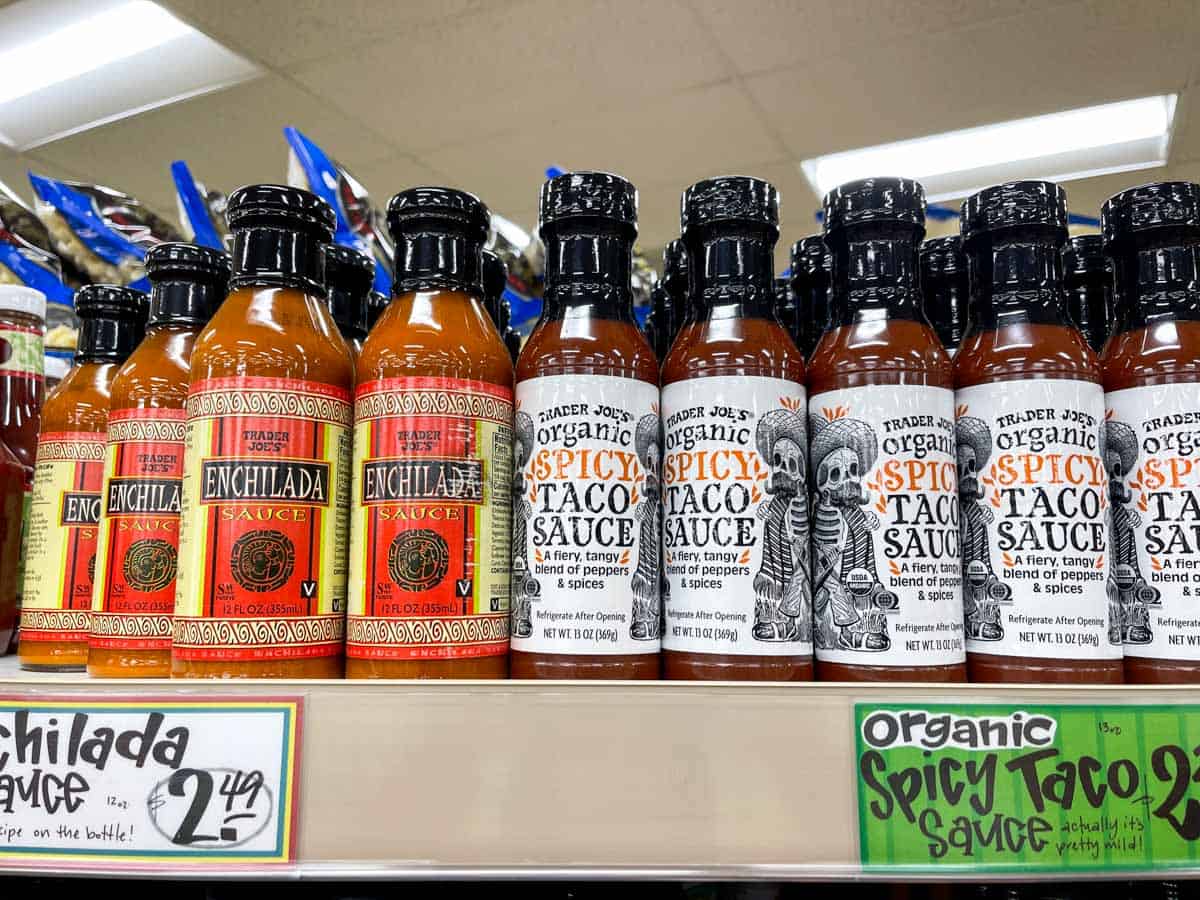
(1036, 788)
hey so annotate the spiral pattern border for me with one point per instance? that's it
(443, 403)
(268, 403)
(428, 631)
(168, 430)
(297, 631)
(86, 451)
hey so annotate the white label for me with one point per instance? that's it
(1152, 454)
(587, 542)
(735, 529)
(1034, 498)
(150, 780)
(887, 578)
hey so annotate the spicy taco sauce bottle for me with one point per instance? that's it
(1152, 431)
(945, 288)
(1032, 485)
(266, 482)
(138, 546)
(587, 444)
(65, 511)
(735, 533)
(811, 267)
(349, 276)
(1088, 275)
(887, 584)
(429, 560)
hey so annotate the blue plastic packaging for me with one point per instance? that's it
(201, 211)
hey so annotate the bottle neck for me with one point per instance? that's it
(1017, 282)
(278, 257)
(732, 275)
(588, 274)
(105, 339)
(438, 261)
(183, 303)
(1157, 283)
(946, 306)
(875, 273)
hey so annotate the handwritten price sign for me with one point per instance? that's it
(148, 780)
(1054, 788)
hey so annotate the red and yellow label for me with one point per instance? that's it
(138, 551)
(64, 517)
(264, 526)
(430, 551)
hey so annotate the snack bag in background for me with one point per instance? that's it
(359, 225)
(27, 258)
(201, 211)
(104, 232)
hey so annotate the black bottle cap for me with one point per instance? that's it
(811, 258)
(1145, 211)
(495, 277)
(942, 256)
(280, 206)
(588, 195)
(188, 282)
(730, 198)
(110, 301)
(1084, 255)
(1015, 205)
(348, 279)
(899, 200)
(451, 209)
(112, 321)
(377, 302)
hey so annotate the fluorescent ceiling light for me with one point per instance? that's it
(71, 65)
(1096, 140)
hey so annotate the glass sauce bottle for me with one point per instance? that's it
(138, 546)
(887, 585)
(65, 511)
(945, 288)
(266, 483)
(738, 604)
(1152, 381)
(587, 445)
(1088, 275)
(811, 267)
(349, 276)
(1032, 486)
(22, 388)
(12, 511)
(430, 557)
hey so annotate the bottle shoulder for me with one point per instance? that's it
(80, 402)
(735, 346)
(1160, 353)
(1025, 350)
(156, 374)
(880, 351)
(587, 346)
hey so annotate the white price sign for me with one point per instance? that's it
(123, 781)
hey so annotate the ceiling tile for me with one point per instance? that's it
(389, 176)
(228, 139)
(14, 169)
(1062, 58)
(517, 69)
(1185, 142)
(283, 33)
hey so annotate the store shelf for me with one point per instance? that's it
(505, 779)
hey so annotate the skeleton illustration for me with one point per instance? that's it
(983, 592)
(783, 601)
(850, 601)
(1129, 596)
(646, 623)
(525, 588)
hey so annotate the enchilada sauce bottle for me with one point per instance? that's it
(1152, 430)
(946, 288)
(431, 506)
(1030, 425)
(1088, 275)
(887, 584)
(264, 526)
(138, 547)
(811, 267)
(64, 514)
(735, 533)
(587, 445)
(349, 276)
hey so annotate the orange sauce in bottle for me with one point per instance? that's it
(887, 590)
(138, 546)
(349, 277)
(736, 548)
(1151, 371)
(587, 444)
(430, 556)
(1032, 486)
(65, 510)
(264, 526)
